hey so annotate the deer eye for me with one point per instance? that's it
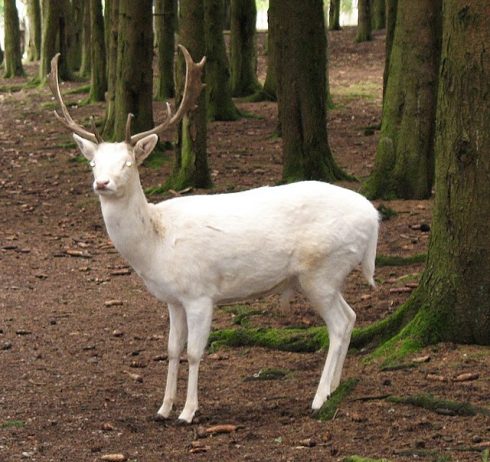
(92, 163)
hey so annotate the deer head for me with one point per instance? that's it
(114, 164)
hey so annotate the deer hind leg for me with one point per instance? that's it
(176, 342)
(199, 316)
(327, 301)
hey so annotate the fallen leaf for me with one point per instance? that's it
(421, 359)
(437, 378)
(465, 377)
(114, 457)
(113, 303)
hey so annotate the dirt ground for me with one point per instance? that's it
(83, 345)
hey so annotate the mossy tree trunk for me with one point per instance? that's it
(334, 15)
(390, 12)
(54, 39)
(220, 105)
(112, 15)
(364, 31)
(1, 55)
(165, 27)
(34, 28)
(13, 55)
(302, 92)
(452, 299)
(86, 49)
(378, 14)
(134, 75)
(191, 161)
(98, 76)
(404, 166)
(242, 48)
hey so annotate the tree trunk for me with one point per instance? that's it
(364, 21)
(334, 15)
(86, 48)
(34, 28)
(166, 18)
(404, 166)
(13, 55)
(98, 77)
(453, 296)
(270, 84)
(112, 12)
(1, 55)
(76, 28)
(134, 67)
(191, 163)
(390, 10)
(378, 14)
(220, 105)
(302, 107)
(227, 15)
(243, 56)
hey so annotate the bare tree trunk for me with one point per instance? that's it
(34, 28)
(98, 77)
(302, 108)
(243, 54)
(165, 26)
(334, 15)
(391, 8)
(13, 55)
(364, 33)
(220, 105)
(86, 38)
(378, 14)
(134, 67)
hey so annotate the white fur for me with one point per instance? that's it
(198, 251)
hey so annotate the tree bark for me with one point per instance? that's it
(34, 28)
(390, 10)
(301, 90)
(334, 15)
(364, 33)
(404, 166)
(452, 299)
(191, 161)
(220, 105)
(86, 58)
(76, 32)
(134, 67)
(112, 12)
(98, 77)
(378, 14)
(54, 39)
(1, 55)
(243, 54)
(270, 84)
(165, 27)
(13, 55)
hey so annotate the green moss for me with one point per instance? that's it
(77, 90)
(386, 212)
(241, 313)
(440, 406)
(12, 424)
(329, 408)
(289, 339)
(361, 90)
(485, 455)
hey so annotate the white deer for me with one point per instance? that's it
(199, 251)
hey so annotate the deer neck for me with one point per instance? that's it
(130, 226)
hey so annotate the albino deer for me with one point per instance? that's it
(199, 251)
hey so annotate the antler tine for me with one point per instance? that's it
(192, 90)
(128, 128)
(66, 120)
(95, 131)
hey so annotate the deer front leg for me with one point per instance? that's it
(199, 316)
(176, 342)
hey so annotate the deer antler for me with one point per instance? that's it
(192, 90)
(66, 120)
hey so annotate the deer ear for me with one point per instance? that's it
(87, 148)
(144, 147)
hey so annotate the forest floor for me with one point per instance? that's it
(83, 344)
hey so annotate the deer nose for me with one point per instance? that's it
(101, 184)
